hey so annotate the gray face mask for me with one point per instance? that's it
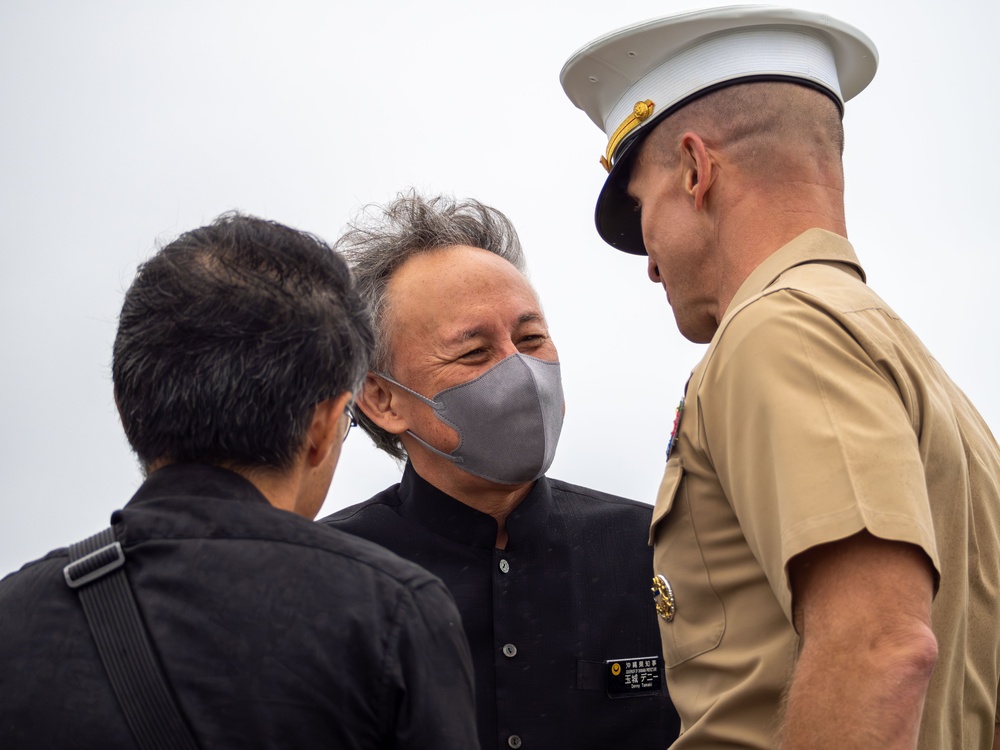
(508, 419)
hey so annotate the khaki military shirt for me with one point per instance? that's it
(816, 413)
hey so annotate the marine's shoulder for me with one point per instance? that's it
(814, 288)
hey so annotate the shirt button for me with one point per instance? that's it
(510, 649)
(504, 566)
(514, 741)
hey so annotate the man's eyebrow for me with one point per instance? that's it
(533, 317)
(468, 334)
(460, 337)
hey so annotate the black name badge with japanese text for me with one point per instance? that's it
(633, 676)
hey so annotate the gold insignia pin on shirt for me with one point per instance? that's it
(640, 112)
(666, 605)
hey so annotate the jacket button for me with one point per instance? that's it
(509, 650)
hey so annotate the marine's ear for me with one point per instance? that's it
(379, 400)
(699, 168)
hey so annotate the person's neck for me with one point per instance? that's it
(281, 489)
(759, 224)
(496, 500)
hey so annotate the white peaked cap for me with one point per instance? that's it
(630, 79)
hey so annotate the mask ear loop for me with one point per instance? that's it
(437, 408)
(433, 404)
(428, 446)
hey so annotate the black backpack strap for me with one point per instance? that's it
(97, 574)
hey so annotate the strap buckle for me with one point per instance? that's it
(97, 564)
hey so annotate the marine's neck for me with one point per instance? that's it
(758, 223)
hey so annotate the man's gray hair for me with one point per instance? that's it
(383, 238)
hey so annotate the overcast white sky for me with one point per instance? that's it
(123, 124)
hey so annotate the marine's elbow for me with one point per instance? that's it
(908, 657)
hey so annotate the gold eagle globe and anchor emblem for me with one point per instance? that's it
(666, 605)
(640, 113)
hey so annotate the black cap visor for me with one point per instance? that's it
(617, 216)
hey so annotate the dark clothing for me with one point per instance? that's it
(570, 592)
(272, 630)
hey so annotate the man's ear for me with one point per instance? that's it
(326, 432)
(700, 169)
(379, 402)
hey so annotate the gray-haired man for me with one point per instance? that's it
(552, 580)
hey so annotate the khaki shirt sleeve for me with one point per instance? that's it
(809, 435)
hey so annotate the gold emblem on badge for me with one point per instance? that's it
(666, 605)
(616, 669)
(642, 110)
(640, 113)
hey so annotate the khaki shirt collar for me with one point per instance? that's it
(812, 246)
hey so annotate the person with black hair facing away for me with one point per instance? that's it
(238, 351)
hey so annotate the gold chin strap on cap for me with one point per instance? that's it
(641, 111)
